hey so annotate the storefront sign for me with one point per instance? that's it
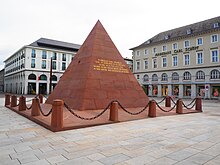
(178, 51)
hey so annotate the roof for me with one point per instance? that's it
(49, 43)
(184, 31)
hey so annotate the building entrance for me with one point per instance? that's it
(43, 88)
(31, 88)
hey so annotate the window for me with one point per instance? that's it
(146, 51)
(154, 63)
(200, 75)
(186, 44)
(175, 76)
(33, 53)
(186, 76)
(138, 65)
(154, 50)
(138, 53)
(214, 38)
(32, 77)
(32, 63)
(54, 78)
(43, 77)
(216, 25)
(215, 74)
(138, 76)
(44, 54)
(63, 57)
(154, 77)
(164, 77)
(54, 57)
(175, 60)
(200, 58)
(186, 59)
(175, 46)
(166, 37)
(146, 78)
(214, 55)
(199, 41)
(164, 62)
(54, 65)
(43, 64)
(189, 31)
(145, 64)
(63, 66)
(164, 48)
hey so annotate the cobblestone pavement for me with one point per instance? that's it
(190, 139)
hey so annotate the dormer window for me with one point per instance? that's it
(216, 25)
(148, 41)
(189, 31)
(166, 37)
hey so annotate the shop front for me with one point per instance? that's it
(215, 89)
(200, 90)
(154, 90)
(175, 90)
(164, 90)
(187, 90)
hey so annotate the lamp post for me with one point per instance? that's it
(51, 67)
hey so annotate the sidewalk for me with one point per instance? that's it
(190, 139)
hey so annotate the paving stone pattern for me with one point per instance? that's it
(190, 139)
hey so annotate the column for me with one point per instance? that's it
(193, 91)
(169, 90)
(180, 91)
(37, 87)
(159, 92)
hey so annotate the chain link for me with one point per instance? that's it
(187, 106)
(164, 109)
(28, 108)
(162, 100)
(38, 103)
(135, 113)
(87, 118)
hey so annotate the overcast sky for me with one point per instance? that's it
(128, 22)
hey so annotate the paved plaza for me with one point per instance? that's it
(189, 139)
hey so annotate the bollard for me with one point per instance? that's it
(199, 104)
(168, 101)
(41, 98)
(13, 101)
(57, 115)
(179, 106)
(22, 103)
(152, 109)
(7, 99)
(114, 111)
(35, 110)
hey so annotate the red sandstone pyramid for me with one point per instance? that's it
(97, 75)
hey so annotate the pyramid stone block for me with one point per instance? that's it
(97, 75)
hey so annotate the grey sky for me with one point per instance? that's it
(128, 22)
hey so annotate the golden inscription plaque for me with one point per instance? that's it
(110, 66)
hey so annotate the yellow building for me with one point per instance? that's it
(182, 62)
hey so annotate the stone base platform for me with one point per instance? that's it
(72, 122)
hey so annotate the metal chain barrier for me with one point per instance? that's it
(28, 108)
(42, 110)
(164, 109)
(172, 100)
(162, 100)
(87, 118)
(187, 106)
(45, 97)
(131, 113)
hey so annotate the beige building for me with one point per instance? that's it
(182, 62)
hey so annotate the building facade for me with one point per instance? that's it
(2, 73)
(129, 62)
(183, 62)
(27, 71)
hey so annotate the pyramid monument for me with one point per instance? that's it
(97, 75)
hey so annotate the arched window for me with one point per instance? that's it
(175, 76)
(186, 76)
(54, 78)
(215, 74)
(146, 78)
(164, 77)
(154, 77)
(200, 75)
(43, 77)
(32, 77)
